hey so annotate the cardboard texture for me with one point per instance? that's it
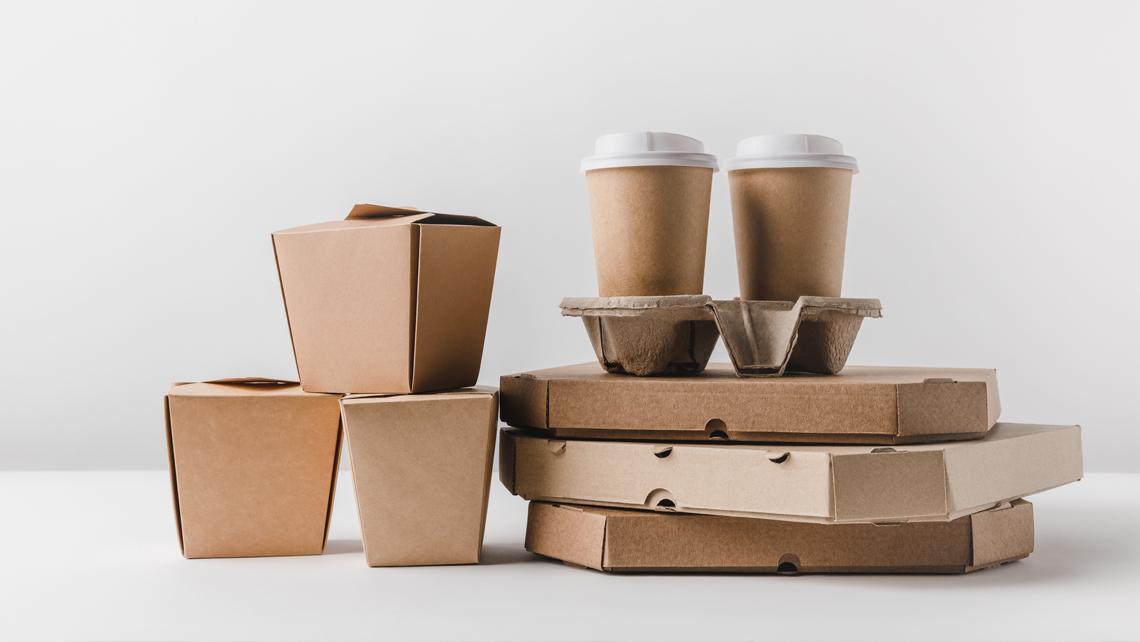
(252, 467)
(815, 334)
(826, 484)
(610, 539)
(648, 335)
(389, 300)
(861, 404)
(677, 334)
(421, 467)
(650, 227)
(790, 226)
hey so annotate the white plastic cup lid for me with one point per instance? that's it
(640, 149)
(790, 150)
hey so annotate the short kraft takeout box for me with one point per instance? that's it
(610, 539)
(861, 404)
(421, 467)
(826, 484)
(389, 300)
(252, 467)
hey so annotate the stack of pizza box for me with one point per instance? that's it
(786, 459)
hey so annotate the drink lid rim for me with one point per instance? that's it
(649, 159)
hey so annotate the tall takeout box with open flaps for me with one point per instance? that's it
(388, 300)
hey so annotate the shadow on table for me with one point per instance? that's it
(505, 554)
(492, 553)
(340, 546)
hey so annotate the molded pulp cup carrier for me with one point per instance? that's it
(790, 197)
(649, 210)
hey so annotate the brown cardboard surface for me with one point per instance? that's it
(790, 226)
(389, 300)
(252, 467)
(677, 334)
(826, 484)
(650, 227)
(648, 335)
(814, 334)
(861, 404)
(610, 539)
(421, 467)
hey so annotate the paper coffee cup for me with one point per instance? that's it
(790, 198)
(649, 212)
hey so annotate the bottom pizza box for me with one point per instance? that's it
(610, 539)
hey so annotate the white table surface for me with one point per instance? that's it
(94, 555)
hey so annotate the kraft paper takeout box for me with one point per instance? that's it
(389, 300)
(827, 484)
(861, 404)
(421, 467)
(610, 539)
(252, 467)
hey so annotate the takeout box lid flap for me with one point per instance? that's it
(481, 391)
(409, 215)
(239, 386)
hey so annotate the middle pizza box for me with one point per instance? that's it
(807, 483)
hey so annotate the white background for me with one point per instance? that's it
(148, 150)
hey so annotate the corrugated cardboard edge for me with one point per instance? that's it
(936, 407)
(750, 438)
(859, 492)
(525, 414)
(507, 460)
(1002, 535)
(580, 541)
(1066, 467)
(173, 476)
(993, 398)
